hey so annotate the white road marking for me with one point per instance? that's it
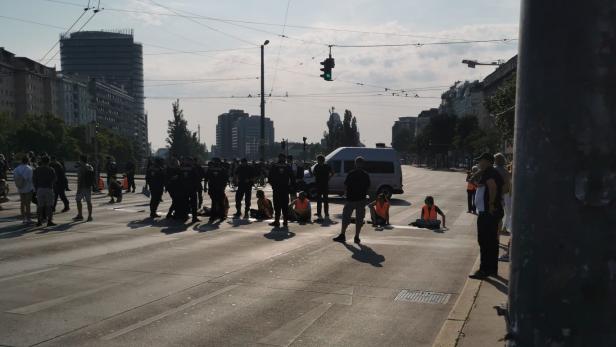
(286, 334)
(8, 278)
(160, 316)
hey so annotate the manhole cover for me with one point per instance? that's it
(422, 296)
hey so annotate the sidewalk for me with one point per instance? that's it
(474, 320)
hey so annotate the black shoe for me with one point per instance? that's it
(237, 215)
(479, 275)
(78, 218)
(275, 224)
(196, 220)
(51, 224)
(89, 219)
(340, 238)
(153, 215)
(357, 240)
(285, 223)
(66, 209)
(38, 224)
(169, 216)
(210, 221)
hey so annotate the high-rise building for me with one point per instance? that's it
(247, 134)
(110, 57)
(112, 106)
(224, 133)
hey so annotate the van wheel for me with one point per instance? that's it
(385, 190)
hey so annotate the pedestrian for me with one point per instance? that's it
(22, 175)
(86, 181)
(488, 200)
(59, 187)
(44, 178)
(264, 210)
(201, 174)
(322, 173)
(428, 216)
(357, 184)
(300, 209)
(111, 168)
(190, 178)
(293, 186)
(155, 179)
(379, 211)
(281, 179)
(244, 180)
(115, 190)
(172, 185)
(4, 187)
(130, 175)
(471, 188)
(217, 178)
(500, 164)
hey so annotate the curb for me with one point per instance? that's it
(451, 330)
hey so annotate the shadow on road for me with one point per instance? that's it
(365, 254)
(279, 234)
(500, 283)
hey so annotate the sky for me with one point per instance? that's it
(205, 52)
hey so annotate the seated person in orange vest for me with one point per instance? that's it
(265, 209)
(299, 209)
(115, 190)
(379, 211)
(429, 218)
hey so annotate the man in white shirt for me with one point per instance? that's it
(22, 176)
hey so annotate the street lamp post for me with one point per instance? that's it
(262, 137)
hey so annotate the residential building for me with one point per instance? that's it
(404, 124)
(113, 108)
(495, 80)
(7, 82)
(224, 133)
(75, 104)
(246, 135)
(423, 119)
(465, 98)
(111, 57)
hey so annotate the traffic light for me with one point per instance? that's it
(328, 65)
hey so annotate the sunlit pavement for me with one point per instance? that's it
(126, 280)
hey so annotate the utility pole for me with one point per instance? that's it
(563, 270)
(262, 137)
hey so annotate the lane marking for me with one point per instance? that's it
(172, 311)
(43, 305)
(286, 334)
(8, 278)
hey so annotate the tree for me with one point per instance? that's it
(182, 142)
(502, 106)
(402, 140)
(350, 134)
(46, 134)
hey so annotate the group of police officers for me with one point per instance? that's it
(185, 182)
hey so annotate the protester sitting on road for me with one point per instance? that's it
(379, 211)
(299, 209)
(115, 190)
(265, 209)
(428, 217)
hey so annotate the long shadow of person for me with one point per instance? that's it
(366, 254)
(203, 228)
(279, 234)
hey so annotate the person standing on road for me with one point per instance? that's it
(22, 175)
(112, 170)
(86, 180)
(44, 178)
(59, 187)
(130, 176)
(357, 184)
(155, 179)
(244, 179)
(172, 184)
(471, 188)
(217, 180)
(191, 178)
(322, 173)
(281, 179)
(500, 164)
(488, 200)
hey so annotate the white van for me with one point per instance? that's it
(382, 164)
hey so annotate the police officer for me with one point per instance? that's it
(173, 185)
(201, 174)
(217, 177)
(191, 179)
(244, 180)
(111, 168)
(155, 179)
(281, 178)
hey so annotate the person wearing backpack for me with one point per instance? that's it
(23, 181)
(86, 179)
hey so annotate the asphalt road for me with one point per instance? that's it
(124, 280)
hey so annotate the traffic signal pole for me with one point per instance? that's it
(262, 127)
(563, 272)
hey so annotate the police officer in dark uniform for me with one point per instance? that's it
(217, 177)
(190, 180)
(173, 185)
(244, 180)
(155, 178)
(281, 178)
(201, 174)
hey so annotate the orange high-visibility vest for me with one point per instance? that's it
(101, 183)
(125, 183)
(428, 213)
(381, 209)
(301, 205)
(471, 186)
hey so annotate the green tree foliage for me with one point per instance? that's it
(182, 142)
(342, 135)
(403, 141)
(502, 106)
(44, 134)
(441, 132)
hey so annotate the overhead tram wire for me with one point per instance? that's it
(286, 16)
(85, 10)
(202, 24)
(32, 22)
